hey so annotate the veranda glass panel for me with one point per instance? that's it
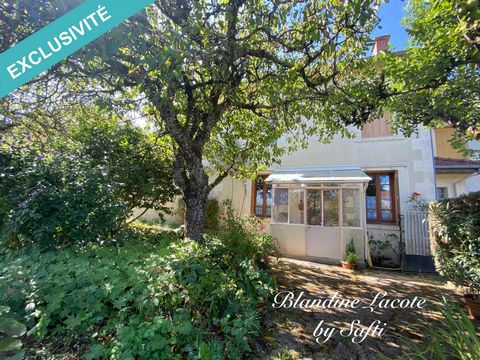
(351, 207)
(331, 208)
(259, 197)
(268, 199)
(314, 207)
(280, 206)
(297, 210)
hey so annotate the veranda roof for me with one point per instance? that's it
(317, 174)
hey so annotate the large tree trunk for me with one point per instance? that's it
(190, 176)
(195, 215)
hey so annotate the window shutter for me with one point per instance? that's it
(380, 127)
(443, 146)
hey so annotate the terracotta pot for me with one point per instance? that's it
(347, 265)
(261, 304)
(473, 305)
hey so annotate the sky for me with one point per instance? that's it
(390, 17)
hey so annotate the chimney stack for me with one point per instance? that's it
(380, 44)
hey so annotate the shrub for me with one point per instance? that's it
(139, 162)
(55, 189)
(10, 331)
(455, 238)
(351, 258)
(244, 236)
(163, 299)
(212, 215)
(55, 200)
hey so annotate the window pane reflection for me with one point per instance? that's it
(297, 210)
(351, 207)
(280, 206)
(330, 208)
(314, 207)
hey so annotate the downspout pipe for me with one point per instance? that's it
(368, 258)
(432, 149)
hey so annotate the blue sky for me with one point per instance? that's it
(391, 15)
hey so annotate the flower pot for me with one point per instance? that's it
(261, 304)
(347, 265)
(473, 305)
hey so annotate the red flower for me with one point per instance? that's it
(416, 194)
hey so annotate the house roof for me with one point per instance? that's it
(450, 165)
(317, 174)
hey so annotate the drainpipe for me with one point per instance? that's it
(433, 165)
(367, 245)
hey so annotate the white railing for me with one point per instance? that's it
(417, 241)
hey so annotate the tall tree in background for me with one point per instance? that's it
(223, 78)
(436, 80)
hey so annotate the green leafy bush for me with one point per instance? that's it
(138, 161)
(455, 238)
(245, 236)
(351, 258)
(10, 331)
(150, 297)
(83, 184)
(212, 214)
(55, 200)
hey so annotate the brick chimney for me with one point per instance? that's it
(380, 44)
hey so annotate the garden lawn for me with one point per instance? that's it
(154, 297)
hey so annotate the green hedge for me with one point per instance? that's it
(455, 239)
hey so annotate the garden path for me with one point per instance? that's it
(288, 333)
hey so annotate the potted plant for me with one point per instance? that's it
(351, 258)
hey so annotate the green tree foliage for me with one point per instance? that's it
(224, 79)
(137, 159)
(80, 185)
(455, 237)
(55, 199)
(436, 80)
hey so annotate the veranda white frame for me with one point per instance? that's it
(338, 184)
(305, 188)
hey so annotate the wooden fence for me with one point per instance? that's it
(417, 241)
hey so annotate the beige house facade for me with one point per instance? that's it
(356, 189)
(397, 167)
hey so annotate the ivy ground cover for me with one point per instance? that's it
(155, 298)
